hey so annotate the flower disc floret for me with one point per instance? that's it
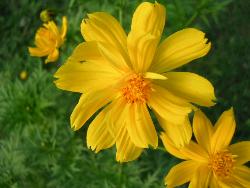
(137, 89)
(221, 163)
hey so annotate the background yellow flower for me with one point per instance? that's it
(48, 39)
(210, 162)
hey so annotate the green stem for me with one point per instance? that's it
(120, 15)
(190, 20)
(120, 173)
(120, 11)
(40, 65)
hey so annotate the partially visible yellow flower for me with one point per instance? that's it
(211, 162)
(48, 39)
(23, 75)
(46, 15)
(126, 75)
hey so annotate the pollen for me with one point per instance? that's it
(221, 163)
(136, 89)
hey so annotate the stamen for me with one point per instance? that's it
(137, 89)
(222, 163)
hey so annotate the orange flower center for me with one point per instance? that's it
(137, 89)
(221, 163)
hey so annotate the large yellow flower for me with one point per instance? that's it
(125, 75)
(212, 162)
(48, 39)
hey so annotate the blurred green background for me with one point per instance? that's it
(37, 146)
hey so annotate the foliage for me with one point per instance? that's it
(38, 148)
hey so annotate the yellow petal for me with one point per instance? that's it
(98, 134)
(113, 56)
(195, 152)
(147, 25)
(126, 150)
(168, 106)
(242, 151)
(229, 183)
(38, 52)
(242, 175)
(86, 51)
(88, 104)
(53, 56)
(152, 75)
(54, 35)
(181, 173)
(225, 128)
(201, 178)
(190, 86)
(184, 148)
(142, 50)
(214, 182)
(171, 147)
(179, 49)
(148, 18)
(86, 76)
(179, 134)
(104, 28)
(118, 116)
(53, 28)
(203, 130)
(44, 39)
(140, 126)
(64, 27)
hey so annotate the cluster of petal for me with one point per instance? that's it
(48, 39)
(127, 76)
(211, 162)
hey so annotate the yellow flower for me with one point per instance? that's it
(211, 162)
(48, 39)
(125, 75)
(23, 75)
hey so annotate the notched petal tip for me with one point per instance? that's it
(56, 82)
(180, 48)
(83, 26)
(56, 74)
(89, 15)
(73, 127)
(84, 21)
(93, 148)
(148, 18)
(73, 124)
(31, 49)
(207, 48)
